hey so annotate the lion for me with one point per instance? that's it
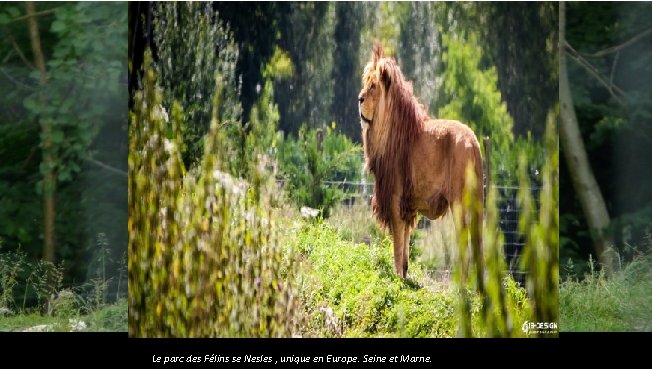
(419, 164)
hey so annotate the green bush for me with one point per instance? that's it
(193, 48)
(204, 259)
(306, 167)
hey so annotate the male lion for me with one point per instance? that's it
(419, 164)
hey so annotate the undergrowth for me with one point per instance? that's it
(349, 289)
(620, 303)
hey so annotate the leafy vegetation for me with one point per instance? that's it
(338, 159)
(63, 150)
(621, 303)
(203, 254)
(188, 73)
(33, 296)
(217, 246)
(609, 74)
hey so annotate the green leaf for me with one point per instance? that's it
(30, 104)
(54, 63)
(58, 26)
(13, 12)
(4, 19)
(57, 137)
(64, 175)
(44, 168)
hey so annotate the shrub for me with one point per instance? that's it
(305, 167)
(204, 259)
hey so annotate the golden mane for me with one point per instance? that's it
(402, 121)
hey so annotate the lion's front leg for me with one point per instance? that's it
(398, 230)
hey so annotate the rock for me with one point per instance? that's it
(77, 325)
(307, 212)
(39, 328)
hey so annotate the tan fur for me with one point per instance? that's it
(419, 164)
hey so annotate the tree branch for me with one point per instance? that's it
(35, 14)
(614, 90)
(108, 167)
(21, 55)
(15, 81)
(613, 70)
(613, 49)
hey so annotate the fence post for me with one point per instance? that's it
(487, 160)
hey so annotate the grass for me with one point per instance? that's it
(349, 289)
(618, 304)
(111, 318)
(33, 297)
(433, 246)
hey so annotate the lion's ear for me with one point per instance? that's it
(385, 77)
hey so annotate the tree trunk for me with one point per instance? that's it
(584, 182)
(49, 179)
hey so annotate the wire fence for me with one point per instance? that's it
(509, 212)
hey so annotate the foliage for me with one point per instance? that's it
(475, 100)
(204, 259)
(58, 307)
(85, 67)
(596, 304)
(256, 27)
(112, 318)
(616, 127)
(193, 48)
(540, 229)
(307, 36)
(472, 93)
(541, 251)
(306, 167)
(255, 142)
(349, 289)
(83, 72)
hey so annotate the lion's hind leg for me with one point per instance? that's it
(406, 249)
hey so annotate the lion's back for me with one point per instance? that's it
(457, 133)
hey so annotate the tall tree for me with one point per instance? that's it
(584, 182)
(420, 49)
(525, 59)
(256, 29)
(307, 36)
(346, 68)
(63, 69)
(47, 168)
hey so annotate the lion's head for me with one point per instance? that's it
(391, 120)
(375, 82)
